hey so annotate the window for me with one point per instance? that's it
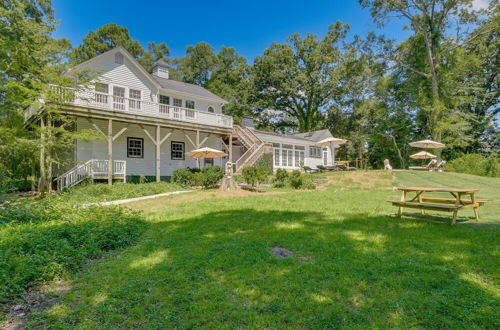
(177, 103)
(290, 158)
(209, 162)
(164, 99)
(177, 150)
(101, 95)
(135, 147)
(101, 88)
(189, 104)
(276, 156)
(119, 58)
(118, 98)
(135, 96)
(210, 109)
(315, 152)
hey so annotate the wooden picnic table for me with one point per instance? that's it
(453, 204)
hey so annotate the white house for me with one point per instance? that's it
(149, 122)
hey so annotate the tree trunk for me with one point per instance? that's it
(42, 157)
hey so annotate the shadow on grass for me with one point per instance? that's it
(216, 270)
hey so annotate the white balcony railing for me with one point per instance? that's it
(128, 105)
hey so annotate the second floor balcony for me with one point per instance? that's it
(98, 100)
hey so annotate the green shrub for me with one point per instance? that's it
(209, 177)
(254, 175)
(184, 177)
(280, 178)
(476, 164)
(266, 163)
(43, 241)
(12, 185)
(295, 179)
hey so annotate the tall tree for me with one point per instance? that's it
(300, 78)
(225, 73)
(197, 66)
(430, 20)
(112, 35)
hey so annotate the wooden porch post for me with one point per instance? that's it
(158, 155)
(197, 146)
(110, 151)
(230, 151)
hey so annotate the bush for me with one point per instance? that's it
(43, 241)
(280, 178)
(209, 177)
(295, 180)
(266, 163)
(476, 164)
(12, 185)
(183, 177)
(254, 175)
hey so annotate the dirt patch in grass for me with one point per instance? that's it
(362, 179)
(281, 252)
(33, 301)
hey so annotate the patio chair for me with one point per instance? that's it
(431, 166)
(322, 168)
(307, 169)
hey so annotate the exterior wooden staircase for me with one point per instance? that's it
(93, 169)
(255, 147)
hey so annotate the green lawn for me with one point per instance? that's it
(205, 262)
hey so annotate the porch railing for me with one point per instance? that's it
(89, 98)
(94, 169)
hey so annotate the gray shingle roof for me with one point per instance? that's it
(315, 135)
(182, 87)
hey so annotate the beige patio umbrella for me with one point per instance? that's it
(423, 155)
(205, 153)
(427, 144)
(330, 142)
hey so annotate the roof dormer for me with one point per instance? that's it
(160, 69)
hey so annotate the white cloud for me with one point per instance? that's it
(480, 4)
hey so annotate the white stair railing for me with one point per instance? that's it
(94, 168)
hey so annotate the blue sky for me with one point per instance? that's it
(249, 26)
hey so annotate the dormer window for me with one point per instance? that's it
(210, 109)
(119, 58)
(160, 69)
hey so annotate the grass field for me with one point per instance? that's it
(205, 262)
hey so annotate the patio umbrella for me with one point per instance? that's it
(423, 155)
(205, 153)
(331, 142)
(427, 144)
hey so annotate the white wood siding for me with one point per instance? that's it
(147, 165)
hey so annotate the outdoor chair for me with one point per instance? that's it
(431, 166)
(321, 168)
(307, 169)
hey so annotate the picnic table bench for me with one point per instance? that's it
(453, 204)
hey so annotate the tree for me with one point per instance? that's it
(226, 73)
(112, 35)
(301, 78)
(430, 20)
